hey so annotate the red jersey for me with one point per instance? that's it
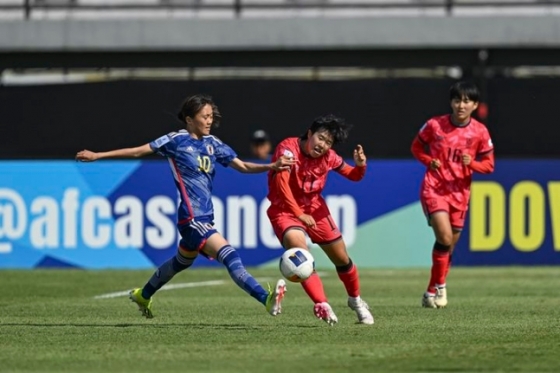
(447, 143)
(307, 177)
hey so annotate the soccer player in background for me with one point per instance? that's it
(192, 155)
(452, 147)
(298, 208)
(261, 146)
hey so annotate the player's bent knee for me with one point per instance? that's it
(186, 253)
(442, 247)
(346, 267)
(181, 262)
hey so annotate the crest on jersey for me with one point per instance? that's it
(210, 149)
(468, 142)
(288, 153)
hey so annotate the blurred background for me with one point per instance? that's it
(104, 74)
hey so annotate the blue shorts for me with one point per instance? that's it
(195, 233)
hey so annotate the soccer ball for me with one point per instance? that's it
(297, 264)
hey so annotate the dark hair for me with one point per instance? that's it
(259, 137)
(193, 104)
(464, 89)
(337, 127)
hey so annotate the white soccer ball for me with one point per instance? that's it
(297, 264)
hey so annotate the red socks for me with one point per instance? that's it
(313, 286)
(440, 268)
(351, 281)
(448, 265)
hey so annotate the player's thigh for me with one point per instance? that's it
(294, 237)
(437, 211)
(441, 224)
(289, 230)
(213, 244)
(193, 237)
(328, 236)
(336, 252)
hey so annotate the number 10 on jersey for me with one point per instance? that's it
(204, 163)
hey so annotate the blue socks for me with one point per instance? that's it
(230, 258)
(165, 273)
(226, 255)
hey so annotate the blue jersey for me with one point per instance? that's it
(192, 163)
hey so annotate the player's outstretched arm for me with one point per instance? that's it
(282, 163)
(358, 172)
(137, 152)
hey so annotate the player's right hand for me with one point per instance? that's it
(359, 156)
(86, 156)
(308, 220)
(283, 163)
(467, 159)
(435, 164)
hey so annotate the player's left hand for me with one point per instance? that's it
(467, 159)
(283, 163)
(359, 156)
(86, 156)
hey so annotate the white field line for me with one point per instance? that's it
(165, 287)
(182, 285)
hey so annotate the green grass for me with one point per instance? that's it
(498, 320)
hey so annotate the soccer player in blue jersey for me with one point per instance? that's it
(192, 155)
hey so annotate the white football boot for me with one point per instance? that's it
(441, 297)
(274, 300)
(362, 310)
(428, 300)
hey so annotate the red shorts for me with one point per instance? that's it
(433, 205)
(324, 233)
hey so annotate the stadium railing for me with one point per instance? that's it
(238, 7)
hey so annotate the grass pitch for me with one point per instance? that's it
(498, 320)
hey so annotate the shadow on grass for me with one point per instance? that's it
(159, 326)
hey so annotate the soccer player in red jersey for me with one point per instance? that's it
(297, 207)
(452, 147)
